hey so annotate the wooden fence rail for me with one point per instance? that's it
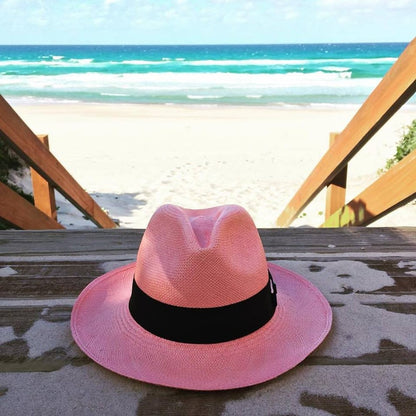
(395, 188)
(397, 86)
(21, 213)
(26, 144)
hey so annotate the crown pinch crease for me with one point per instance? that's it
(172, 266)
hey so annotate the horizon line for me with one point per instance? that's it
(202, 44)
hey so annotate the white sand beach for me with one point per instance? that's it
(133, 158)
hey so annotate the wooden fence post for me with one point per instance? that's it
(335, 194)
(390, 191)
(43, 192)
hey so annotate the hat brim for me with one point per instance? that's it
(103, 328)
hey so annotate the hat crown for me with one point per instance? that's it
(201, 258)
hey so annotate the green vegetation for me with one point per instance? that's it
(406, 145)
(10, 161)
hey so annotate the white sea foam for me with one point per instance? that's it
(335, 68)
(368, 60)
(81, 61)
(278, 62)
(30, 99)
(170, 80)
(231, 80)
(13, 62)
(110, 94)
(194, 87)
(248, 62)
(331, 64)
(142, 62)
(53, 62)
(204, 97)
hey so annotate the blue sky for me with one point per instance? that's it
(205, 21)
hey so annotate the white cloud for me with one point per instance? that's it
(207, 19)
(348, 4)
(248, 5)
(373, 5)
(38, 19)
(171, 14)
(98, 21)
(349, 11)
(222, 1)
(400, 4)
(291, 14)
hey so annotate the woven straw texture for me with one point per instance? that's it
(200, 258)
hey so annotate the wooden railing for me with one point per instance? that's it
(391, 190)
(48, 173)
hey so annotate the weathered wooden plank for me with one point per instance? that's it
(341, 391)
(23, 141)
(339, 405)
(349, 240)
(21, 213)
(336, 190)
(22, 318)
(70, 287)
(65, 286)
(123, 242)
(14, 358)
(43, 192)
(388, 353)
(395, 188)
(66, 280)
(397, 86)
(73, 242)
(26, 321)
(366, 365)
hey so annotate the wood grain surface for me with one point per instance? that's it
(366, 366)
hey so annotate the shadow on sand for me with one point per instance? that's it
(116, 205)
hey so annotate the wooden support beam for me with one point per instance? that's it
(335, 194)
(24, 142)
(396, 87)
(43, 192)
(395, 188)
(21, 213)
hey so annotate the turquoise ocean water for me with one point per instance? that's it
(217, 74)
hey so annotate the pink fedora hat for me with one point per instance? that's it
(201, 308)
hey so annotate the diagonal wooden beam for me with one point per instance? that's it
(395, 188)
(18, 211)
(24, 142)
(397, 86)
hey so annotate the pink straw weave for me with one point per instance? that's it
(200, 258)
